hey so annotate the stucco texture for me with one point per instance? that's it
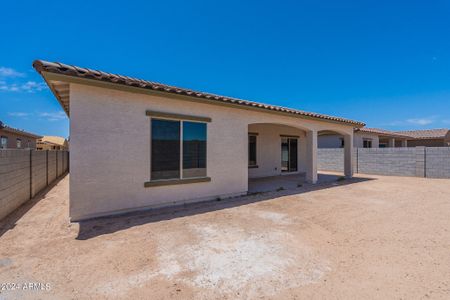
(110, 149)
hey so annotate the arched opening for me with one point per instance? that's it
(335, 152)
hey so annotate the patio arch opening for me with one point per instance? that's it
(345, 140)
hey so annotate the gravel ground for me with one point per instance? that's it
(373, 237)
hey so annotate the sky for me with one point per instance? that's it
(386, 63)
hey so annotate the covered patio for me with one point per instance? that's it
(284, 156)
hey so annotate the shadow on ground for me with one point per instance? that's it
(9, 222)
(106, 225)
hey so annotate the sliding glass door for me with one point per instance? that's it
(289, 160)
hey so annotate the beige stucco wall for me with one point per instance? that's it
(110, 150)
(334, 140)
(358, 139)
(27, 142)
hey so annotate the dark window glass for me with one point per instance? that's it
(292, 155)
(289, 150)
(165, 149)
(284, 155)
(194, 149)
(367, 144)
(252, 150)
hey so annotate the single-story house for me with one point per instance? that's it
(428, 138)
(137, 144)
(365, 138)
(48, 142)
(13, 138)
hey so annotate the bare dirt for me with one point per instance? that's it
(374, 237)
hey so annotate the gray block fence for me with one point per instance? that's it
(432, 162)
(24, 173)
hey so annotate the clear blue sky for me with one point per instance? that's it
(386, 63)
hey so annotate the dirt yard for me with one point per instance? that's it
(370, 238)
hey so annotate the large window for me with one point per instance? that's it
(3, 142)
(178, 149)
(252, 150)
(367, 143)
(165, 149)
(194, 149)
(289, 150)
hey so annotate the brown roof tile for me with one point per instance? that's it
(69, 70)
(383, 132)
(426, 134)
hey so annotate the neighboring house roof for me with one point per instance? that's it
(56, 140)
(427, 134)
(383, 132)
(74, 71)
(18, 131)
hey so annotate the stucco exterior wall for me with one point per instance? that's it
(110, 149)
(268, 145)
(332, 141)
(359, 137)
(27, 142)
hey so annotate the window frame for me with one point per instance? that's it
(367, 141)
(4, 138)
(180, 118)
(288, 139)
(255, 135)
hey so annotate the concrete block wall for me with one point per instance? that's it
(14, 179)
(437, 162)
(24, 173)
(433, 162)
(330, 159)
(387, 161)
(51, 165)
(38, 171)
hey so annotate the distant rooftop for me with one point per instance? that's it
(426, 134)
(383, 132)
(57, 140)
(18, 131)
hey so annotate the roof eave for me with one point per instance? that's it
(51, 76)
(20, 132)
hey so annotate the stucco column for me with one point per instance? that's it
(391, 143)
(311, 156)
(404, 143)
(348, 155)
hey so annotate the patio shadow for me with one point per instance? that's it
(106, 225)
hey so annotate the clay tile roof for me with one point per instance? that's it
(383, 132)
(18, 131)
(426, 134)
(63, 69)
